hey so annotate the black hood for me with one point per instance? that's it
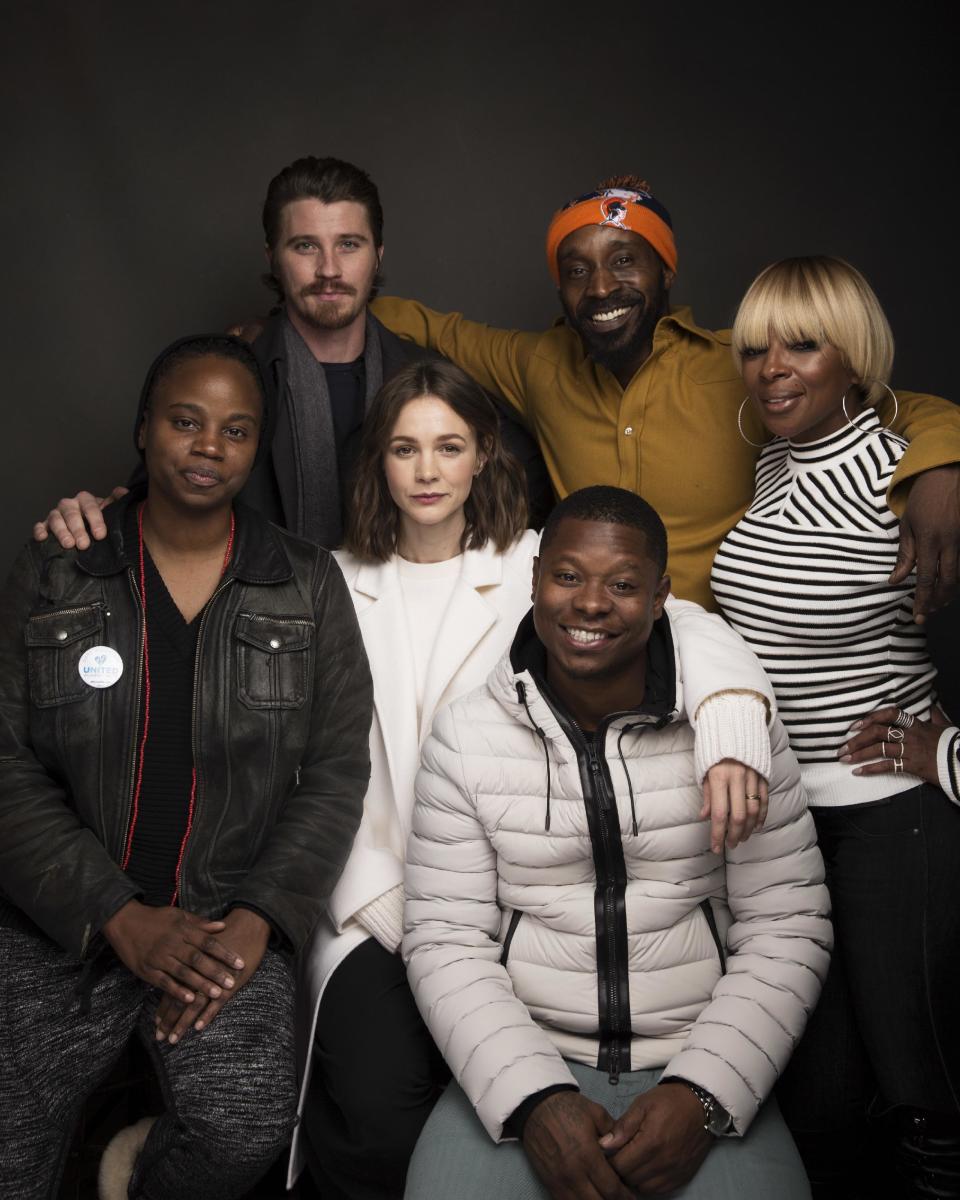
(225, 341)
(527, 653)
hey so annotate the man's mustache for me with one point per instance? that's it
(319, 289)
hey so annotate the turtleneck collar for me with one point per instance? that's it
(805, 456)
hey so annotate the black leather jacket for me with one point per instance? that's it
(282, 710)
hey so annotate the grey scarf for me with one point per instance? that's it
(304, 437)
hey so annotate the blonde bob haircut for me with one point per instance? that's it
(820, 299)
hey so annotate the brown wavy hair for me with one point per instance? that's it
(495, 510)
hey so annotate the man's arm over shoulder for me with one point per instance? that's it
(309, 844)
(498, 1054)
(496, 358)
(925, 493)
(779, 949)
(932, 427)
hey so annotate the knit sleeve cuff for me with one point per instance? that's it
(948, 762)
(383, 918)
(732, 724)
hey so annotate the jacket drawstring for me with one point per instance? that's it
(623, 763)
(522, 697)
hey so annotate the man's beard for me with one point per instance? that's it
(616, 351)
(327, 317)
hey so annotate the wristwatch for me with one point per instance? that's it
(716, 1119)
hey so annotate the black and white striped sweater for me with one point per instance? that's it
(803, 578)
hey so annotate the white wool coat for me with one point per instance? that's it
(479, 853)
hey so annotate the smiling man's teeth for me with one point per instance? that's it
(611, 315)
(586, 635)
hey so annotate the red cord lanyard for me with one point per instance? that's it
(146, 712)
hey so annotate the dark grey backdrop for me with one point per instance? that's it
(140, 140)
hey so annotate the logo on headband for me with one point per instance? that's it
(613, 205)
(614, 212)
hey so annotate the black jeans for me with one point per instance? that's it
(885, 1033)
(376, 1076)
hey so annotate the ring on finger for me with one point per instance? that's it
(753, 796)
(898, 766)
(904, 720)
(895, 733)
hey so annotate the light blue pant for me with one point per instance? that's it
(456, 1158)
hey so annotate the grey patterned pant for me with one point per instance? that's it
(230, 1090)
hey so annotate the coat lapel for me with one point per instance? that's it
(468, 617)
(383, 625)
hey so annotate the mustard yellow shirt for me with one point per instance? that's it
(671, 435)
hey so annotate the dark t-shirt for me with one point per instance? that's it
(163, 809)
(347, 385)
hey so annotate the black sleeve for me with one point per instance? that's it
(515, 1123)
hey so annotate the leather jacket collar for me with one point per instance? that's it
(258, 557)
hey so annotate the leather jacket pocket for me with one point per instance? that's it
(273, 660)
(55, 642)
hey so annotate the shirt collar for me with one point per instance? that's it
(679, 322)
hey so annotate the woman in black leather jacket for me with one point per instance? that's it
(184, 717)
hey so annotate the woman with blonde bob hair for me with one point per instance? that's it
(805, 578)
(825, 300)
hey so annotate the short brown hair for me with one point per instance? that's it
(496, 509)
(328, 180)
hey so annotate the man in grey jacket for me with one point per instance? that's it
(605, 988)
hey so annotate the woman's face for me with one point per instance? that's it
(199, 435)
(430, 463)
(798, 389)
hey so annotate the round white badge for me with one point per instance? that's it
(100, 667)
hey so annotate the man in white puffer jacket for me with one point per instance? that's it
(604, 987)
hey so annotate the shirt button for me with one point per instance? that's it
(628, 430)
(274, 643)
(61, 635)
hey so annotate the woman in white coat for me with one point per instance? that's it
(439, 565)
(439, 561)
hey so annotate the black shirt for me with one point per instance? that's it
(347, 386)
(164, 802)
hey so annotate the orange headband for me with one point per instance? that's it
(616, 208)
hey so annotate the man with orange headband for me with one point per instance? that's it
(628, 391)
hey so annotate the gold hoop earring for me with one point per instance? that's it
(890, 392)
(759, 445)
(893, 396)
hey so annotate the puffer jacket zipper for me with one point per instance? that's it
(610, 905)
(610, 909)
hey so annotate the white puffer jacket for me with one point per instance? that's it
(610, 922)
